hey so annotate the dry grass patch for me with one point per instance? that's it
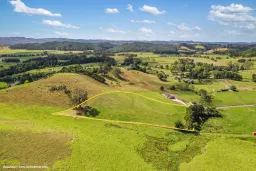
(33, 149)
(38, 93)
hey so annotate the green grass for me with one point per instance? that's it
(235, 120)
(234, 98)
(3, 85)
(96, 145)
(130, 107)
(232, 154)
(104, 146)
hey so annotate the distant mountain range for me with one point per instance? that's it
(7, 41)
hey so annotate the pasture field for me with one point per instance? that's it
(235, 120)
(131, 107)
(233, 150)
(108, 146)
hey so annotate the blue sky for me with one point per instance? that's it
(200, 20)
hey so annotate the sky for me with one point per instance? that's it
(197, 20)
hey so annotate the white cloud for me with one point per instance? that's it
(111, 11)
(232, 14)
(14, 33)
(189, 35)
(233, 32)
(19, 6)
(152, 10)
(112, 30)
(183, 27)
(147, 32)
(144, 21)
(61, 33)
(130, 8)
(58, 24)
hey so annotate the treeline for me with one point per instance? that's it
(11, 60)
(146, 47)
(93, 73)
(24, 54)
(64, 46)
(242, 50)
(53, 61)
(24, 78)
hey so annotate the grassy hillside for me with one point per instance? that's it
(109, 146)
(131, 107)
(37, 93)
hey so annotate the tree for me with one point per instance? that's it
(179, 124)
(162, 76)
(254, 77)
(205, 98)
(78, 96)
(233, 88)
(117, 72)
(197, 114)
(162, 88)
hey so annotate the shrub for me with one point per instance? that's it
(162, 88)
(179, 124)
(233, 88)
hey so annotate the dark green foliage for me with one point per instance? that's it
(65, 46)
(21, 78)
(233, 88)
(80, 70)
(227, 75)
(52, 61)
(11, 60)
(162, 76)
(87, 111)
(162, 88)
(179, 124)
(146, 47)
(205, 98)
(198, 114)
(182, 86)
(254, 77)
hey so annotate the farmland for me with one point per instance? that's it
(133, 126)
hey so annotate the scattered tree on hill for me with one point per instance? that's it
(78, 96)
(87, 111)
(162, 76)
(162, 88)
(233, 88)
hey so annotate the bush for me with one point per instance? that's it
(233, 88)
(179, 124)
(162, 88)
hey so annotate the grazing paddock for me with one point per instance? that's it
(232, 154)
(234, 120)
(130, 107)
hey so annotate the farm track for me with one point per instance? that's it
(237, 106)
